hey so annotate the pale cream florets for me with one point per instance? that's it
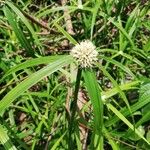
(85, 54)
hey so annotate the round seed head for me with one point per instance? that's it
(85, 54)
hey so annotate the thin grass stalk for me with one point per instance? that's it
(74, 109)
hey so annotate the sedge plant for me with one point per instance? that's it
(38, 72)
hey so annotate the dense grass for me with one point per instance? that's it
(48, 102)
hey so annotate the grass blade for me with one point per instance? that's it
(24, 20)
(96, 101)
(31, 80)
(5, 140)
(31, 63)
(68, 36)
(19, 34)
(119, 115)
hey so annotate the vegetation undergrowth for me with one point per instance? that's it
(74, 74)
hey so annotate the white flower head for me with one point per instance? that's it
(85, 54)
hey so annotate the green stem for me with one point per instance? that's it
(74, 108)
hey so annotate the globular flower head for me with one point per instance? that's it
(85, 54)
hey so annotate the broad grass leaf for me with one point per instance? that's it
(96, 101)
(33, 79)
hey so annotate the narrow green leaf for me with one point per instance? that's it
(5, 140)
(111, 141)
(96, 101)
(58, 141)
(126, 112)
(124, 68)
(31, 63)
(122, 30)
(68, 36)
(144, 99)
(24, 20)
(94, 15)
(120, 116)
(31, 80)
(114, 91)
(19, 34)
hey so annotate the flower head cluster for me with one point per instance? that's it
(85, 54)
